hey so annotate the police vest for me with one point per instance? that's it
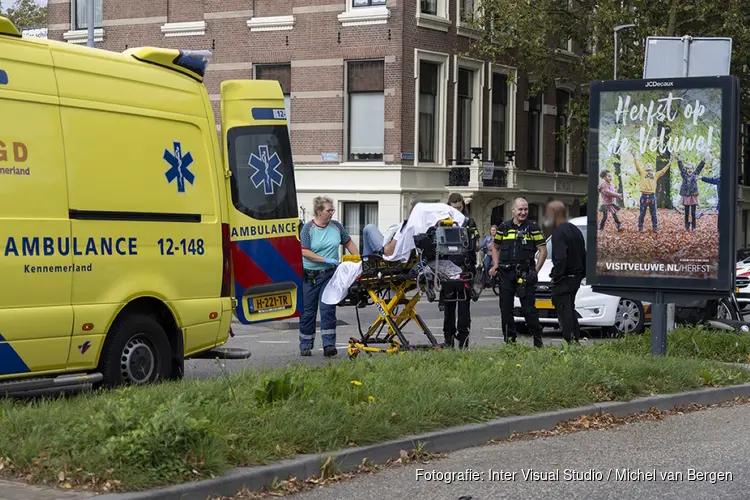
(518, 243)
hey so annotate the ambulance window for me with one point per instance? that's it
(260, 158)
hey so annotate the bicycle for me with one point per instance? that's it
(480, 282)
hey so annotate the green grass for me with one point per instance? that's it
(691, 342)
(180, 431)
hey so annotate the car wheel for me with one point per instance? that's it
(630, 317)
(137, 351)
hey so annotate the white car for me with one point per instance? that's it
(614, 314)
(742, 284)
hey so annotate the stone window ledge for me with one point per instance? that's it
(363, 16)
(192, 28)
(82, 36)
(277, 23)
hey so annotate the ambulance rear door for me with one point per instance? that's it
(264, 218)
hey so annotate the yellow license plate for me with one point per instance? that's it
(544, 304)
(268, 303)
(737, 290)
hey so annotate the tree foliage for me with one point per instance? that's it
(526, 34)
(26, 14)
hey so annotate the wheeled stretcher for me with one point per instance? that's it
(388, 285)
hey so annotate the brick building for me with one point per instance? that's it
(383, 109)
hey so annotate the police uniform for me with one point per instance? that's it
(458, 328)
(517, 245)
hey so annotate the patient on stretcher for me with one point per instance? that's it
(375, 243)
(400, 250)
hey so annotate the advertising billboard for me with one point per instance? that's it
(663, 183)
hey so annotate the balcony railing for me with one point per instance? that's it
(460, 173)
(499, 178)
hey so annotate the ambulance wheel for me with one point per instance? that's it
(137, 351)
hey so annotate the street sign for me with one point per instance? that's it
(674, 57)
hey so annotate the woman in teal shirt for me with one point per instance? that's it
(320, 238)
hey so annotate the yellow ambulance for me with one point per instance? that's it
(131, 231)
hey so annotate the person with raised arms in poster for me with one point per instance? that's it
(689, 189)
(647, 187)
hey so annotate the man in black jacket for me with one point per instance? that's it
(569, 268)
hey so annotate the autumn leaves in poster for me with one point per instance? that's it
(659, 171)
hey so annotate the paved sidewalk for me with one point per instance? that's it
(20, 491)
(695, 456)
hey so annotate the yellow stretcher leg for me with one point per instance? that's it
(395, 323)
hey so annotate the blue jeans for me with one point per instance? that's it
(648, 201)
(311, 295)
(372, 239)
(487, 266)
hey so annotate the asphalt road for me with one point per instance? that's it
(696, 456)
(272, 347)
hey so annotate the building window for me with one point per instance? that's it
(584, 158)
(356, 216)
(433, 14)
(744, 172)
(80, 14)
(366, 89)
(563, 43)
(533, 212)
(535, 132)
(428, 110)
(282, 73)
(466, 10)
(499, 111)
(464, 115)
(562, 142)
(367, 3)
(429, 7)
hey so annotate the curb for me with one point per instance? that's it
(442, 441)
(285, 325)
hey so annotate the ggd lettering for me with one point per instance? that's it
(20, 152)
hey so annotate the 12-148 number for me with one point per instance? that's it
(167, 246)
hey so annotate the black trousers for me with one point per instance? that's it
(563, 298)
(689, 211)
(456, 328)
(508, 286)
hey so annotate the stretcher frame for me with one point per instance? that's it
(372, 288)
(381, 277)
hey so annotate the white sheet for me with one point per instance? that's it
(424, 216)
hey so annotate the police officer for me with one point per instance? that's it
(516, 242)
(458, 328)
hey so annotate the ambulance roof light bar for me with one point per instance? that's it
(194, 60)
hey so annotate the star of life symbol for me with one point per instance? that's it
(266, 170)
(179, 166)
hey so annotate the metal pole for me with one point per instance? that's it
(618, 28)
(615, 76)
(685, 54)
(659, 326)
(90, 6)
